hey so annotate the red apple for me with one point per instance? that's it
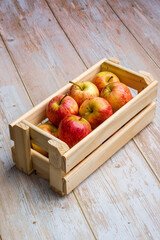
(81, 91)
(59, 107)
(49, 128)
(117, 94)
(73, 129)
(102, 78)
(95, 111)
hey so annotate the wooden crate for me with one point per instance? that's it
(66, 168)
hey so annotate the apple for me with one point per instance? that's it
(95, 111)
(81, 91)
(59, 107)
(102, 78)
(117, 94)
(50, 128)
(73, 129)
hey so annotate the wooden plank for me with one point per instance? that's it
(95, 22)
(27, 201)
(22, 148)
(126, 76)
(111, 125)
(146, 15)
(55, 167)
(40, 164)
(41, 138)
(14, 205)
(107, 149)
(13, 154)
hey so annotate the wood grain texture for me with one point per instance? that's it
(143, 22)
(48, 205)
(103, 34)
(26, 202)
(101, 201)
(40, 164)
(22, 146)
(45, 58)
(134, 184)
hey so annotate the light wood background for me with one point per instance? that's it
(43, 45)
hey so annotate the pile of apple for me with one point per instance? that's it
(87, 104)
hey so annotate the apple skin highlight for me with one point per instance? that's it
(73, 129)
(95, 111)
(117, 94)
(103, 78)
(59, 107)
(81, 91)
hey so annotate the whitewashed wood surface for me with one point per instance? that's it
(43, 45)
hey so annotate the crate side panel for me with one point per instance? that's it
(110, 126)
(130, 78)
(106, 150)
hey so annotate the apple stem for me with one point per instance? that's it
(110, 78)
(63, 98)
(75, 84)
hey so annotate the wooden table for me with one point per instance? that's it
(43, 45)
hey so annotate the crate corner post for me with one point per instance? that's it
(56, 166)
(22, 148)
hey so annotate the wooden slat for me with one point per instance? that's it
(40, 164)
(107, 149)
(126, 76)
(55, 167)
(22, 148)
(146, 15)
(111, 125)
(41, 137)
(13, 154)
(13, 195)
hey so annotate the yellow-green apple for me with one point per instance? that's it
(59, 107)
(117, 94)
(73, 129)
(95, 111)
(49, 128)
(102, 78)
(81, 91)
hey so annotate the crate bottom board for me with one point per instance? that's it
(86, 167)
